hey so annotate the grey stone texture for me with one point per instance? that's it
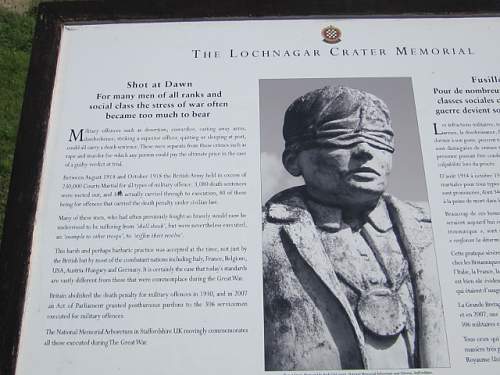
(350, 274)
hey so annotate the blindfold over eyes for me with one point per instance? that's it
(342, 134)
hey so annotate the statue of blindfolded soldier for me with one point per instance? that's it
(350, 279)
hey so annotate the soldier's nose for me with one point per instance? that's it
(362, 151)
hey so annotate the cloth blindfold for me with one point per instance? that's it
(345, 133)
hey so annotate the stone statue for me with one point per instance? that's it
(350, 279)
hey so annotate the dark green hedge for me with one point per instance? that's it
(15, 45)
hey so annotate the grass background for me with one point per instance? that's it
(16, 31)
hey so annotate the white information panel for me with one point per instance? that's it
(186, 225)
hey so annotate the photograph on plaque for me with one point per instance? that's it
(349, 267)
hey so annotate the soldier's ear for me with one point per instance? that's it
(291, 162)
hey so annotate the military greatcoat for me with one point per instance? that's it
(309, 324)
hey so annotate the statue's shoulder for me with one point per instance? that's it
(417, 210)
(413, 221)
(286, 206)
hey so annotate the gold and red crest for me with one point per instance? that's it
(331, 34)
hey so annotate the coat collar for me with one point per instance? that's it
(329, 218)
(292, 204)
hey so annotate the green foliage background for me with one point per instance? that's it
(16, 31)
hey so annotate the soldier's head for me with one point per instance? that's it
(340, 140)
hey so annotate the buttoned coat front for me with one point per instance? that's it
(309, 324)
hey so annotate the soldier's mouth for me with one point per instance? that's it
(363, 173)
